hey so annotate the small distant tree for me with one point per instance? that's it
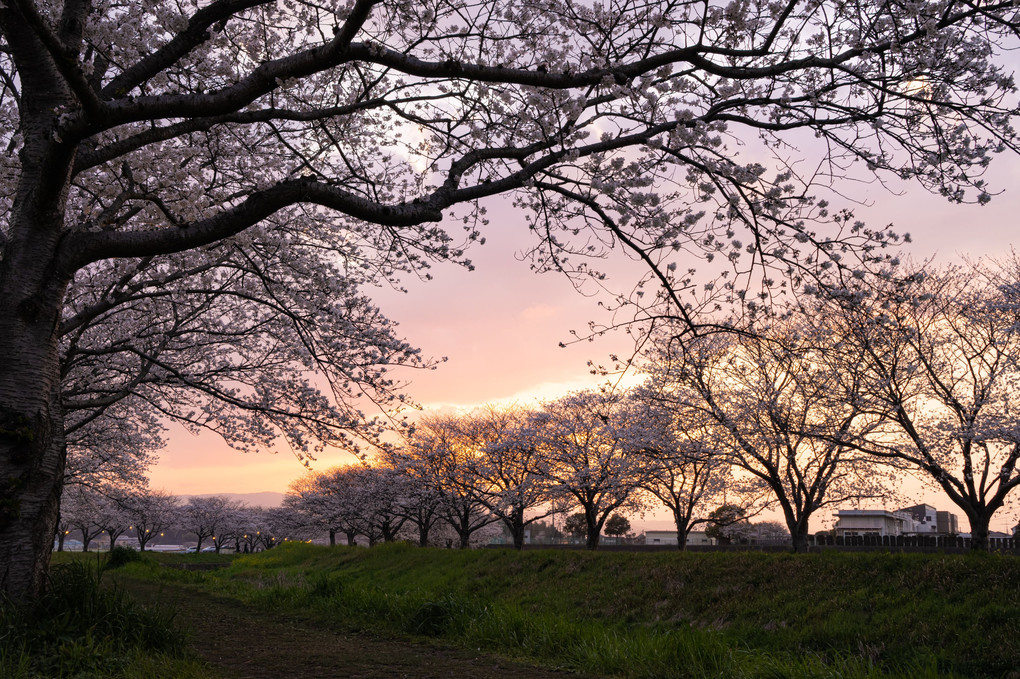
(151, 513)
(617, 526)
(63, 528)
(770, 531)
(204, 516)
(83, 508)
(576, 526)
(114, 519)
(724, 521)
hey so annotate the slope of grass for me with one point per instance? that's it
(662, 614)
(82, 630)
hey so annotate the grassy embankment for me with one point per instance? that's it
(83, 630)
(658, 614)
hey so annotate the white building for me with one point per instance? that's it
(925, 519)
(668, 537)
(917, 520)
(872, 522)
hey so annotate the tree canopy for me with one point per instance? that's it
(137, 130)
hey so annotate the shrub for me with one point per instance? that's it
(120, 556)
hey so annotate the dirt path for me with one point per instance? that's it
(242, 643)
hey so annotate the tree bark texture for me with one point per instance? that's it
(32, 290)
(681, 531)
(979, 531)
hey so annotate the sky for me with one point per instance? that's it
(501, 325)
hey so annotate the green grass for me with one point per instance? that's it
(660, 614)
(82, 630)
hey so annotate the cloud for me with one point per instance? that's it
(538, 312)
(534, 394)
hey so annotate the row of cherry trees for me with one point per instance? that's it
(912, 371)
(832, 402)
(827, 403)
(147, 514)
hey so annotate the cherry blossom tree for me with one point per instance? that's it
(413, 477)
(938, 354)
(781, 413)
(232, 533)
(441, 450)
(136, 130)
(255, 531)
(83, 508)
(681, 464)
(151, 512)
(112, 451)
(505, 475)
(309, 496)
(346, 494)
(63, 530)
(230, 339)
(588, 455)
(355, 499)
(205, 516)
(377, 495)
(113, 519)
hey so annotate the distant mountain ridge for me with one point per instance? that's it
(266, 498)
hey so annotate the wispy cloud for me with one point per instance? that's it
(538, 312)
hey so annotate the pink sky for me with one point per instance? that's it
(500, 325)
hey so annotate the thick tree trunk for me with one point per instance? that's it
(517, 533)
(32, 458)
(515, 524)
(800, 539)
(351, 538)
(594, 529)
(60, 540)
(979, 532)
(463, 527)
(32, 451)
(797, 524)
(32, 289)
(681, 538)
(332, 537)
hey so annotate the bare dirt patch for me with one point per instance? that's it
(243, 643)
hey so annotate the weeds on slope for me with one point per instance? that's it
(83, 630)
(681, 616)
